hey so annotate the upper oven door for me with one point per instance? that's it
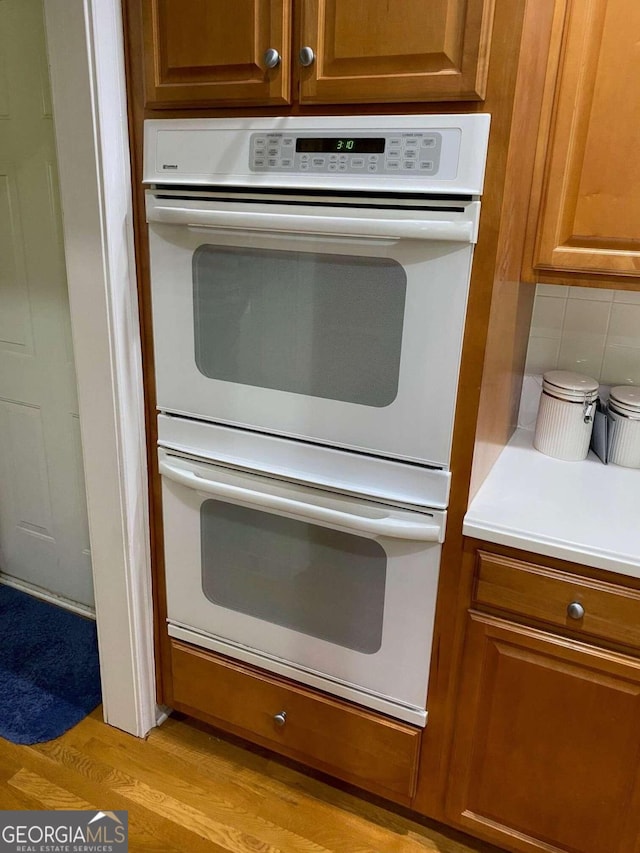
(336, 324)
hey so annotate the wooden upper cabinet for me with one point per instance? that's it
(403, 50)
(590, 210)
(211, 52)
(204, 53)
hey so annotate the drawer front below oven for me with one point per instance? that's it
(326, 589)
(351, 743)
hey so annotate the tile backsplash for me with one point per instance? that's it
(589, 330)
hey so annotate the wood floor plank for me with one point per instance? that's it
(301, 810)
(187, 790)
(45, 792)
(45, 760)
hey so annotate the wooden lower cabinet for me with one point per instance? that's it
(547, 744)
(344, 740)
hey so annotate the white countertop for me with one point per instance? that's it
(585, 512)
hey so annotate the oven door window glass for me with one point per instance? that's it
(310, 579)
(316, 324)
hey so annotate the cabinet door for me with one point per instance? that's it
(413, 50)
(590, 217)
(212, 52)
(547, 742)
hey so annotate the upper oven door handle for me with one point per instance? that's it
(452, 227)
(379, 521)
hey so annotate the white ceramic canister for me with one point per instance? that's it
(565, 415)
(624, 414)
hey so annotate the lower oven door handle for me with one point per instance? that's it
(391, 524)
(461, 231)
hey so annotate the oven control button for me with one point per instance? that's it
(273, 151)
(373, 158)
(429, 142)
(409, 164)
(286, 162)
(342, 167)
(357, 162)
(259, 163)
(318, 162)
(395, 142)
(426, 165)
(305, 158)
(392, 165)
(333, 167)
(287, 140)
(411, 142)
(393, 155)
(372, 167)
(304, 167)
(410, 155)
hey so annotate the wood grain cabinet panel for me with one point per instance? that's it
(211, 52)
(590, 211)
(547, 743)
(376, 50)
(606, 611)
(344, 740)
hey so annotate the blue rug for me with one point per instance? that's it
(49, 670)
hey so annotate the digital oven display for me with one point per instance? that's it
(342, 144)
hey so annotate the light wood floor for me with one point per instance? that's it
(185, 789)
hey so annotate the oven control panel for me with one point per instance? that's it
(383, 153)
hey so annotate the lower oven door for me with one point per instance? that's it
(330, 590)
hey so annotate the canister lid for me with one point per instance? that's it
(625, 399)
(566, 385)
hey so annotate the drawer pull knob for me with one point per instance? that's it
(280, 719)
(575, 610)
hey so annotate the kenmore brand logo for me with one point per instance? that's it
(169, 165)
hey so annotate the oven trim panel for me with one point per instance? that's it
(344, 690)
(218, 152)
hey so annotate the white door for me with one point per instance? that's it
(43, 521)
(331, 590)
(264, 318)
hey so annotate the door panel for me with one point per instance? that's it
(547, 745)
(371, 50)
(213, 51)
(43, 523)
(392, 413)
(590, 218)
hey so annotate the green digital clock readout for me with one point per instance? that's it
(343, 145)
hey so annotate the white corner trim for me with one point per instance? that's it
(89, 104)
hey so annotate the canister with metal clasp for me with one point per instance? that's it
(565, 415)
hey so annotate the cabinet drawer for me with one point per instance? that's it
(611, 612)
(372, 751)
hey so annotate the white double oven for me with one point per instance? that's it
(309, 284)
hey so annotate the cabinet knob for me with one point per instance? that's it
(575, 610)
(271, 58)
(306, 56)
(280, 719)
